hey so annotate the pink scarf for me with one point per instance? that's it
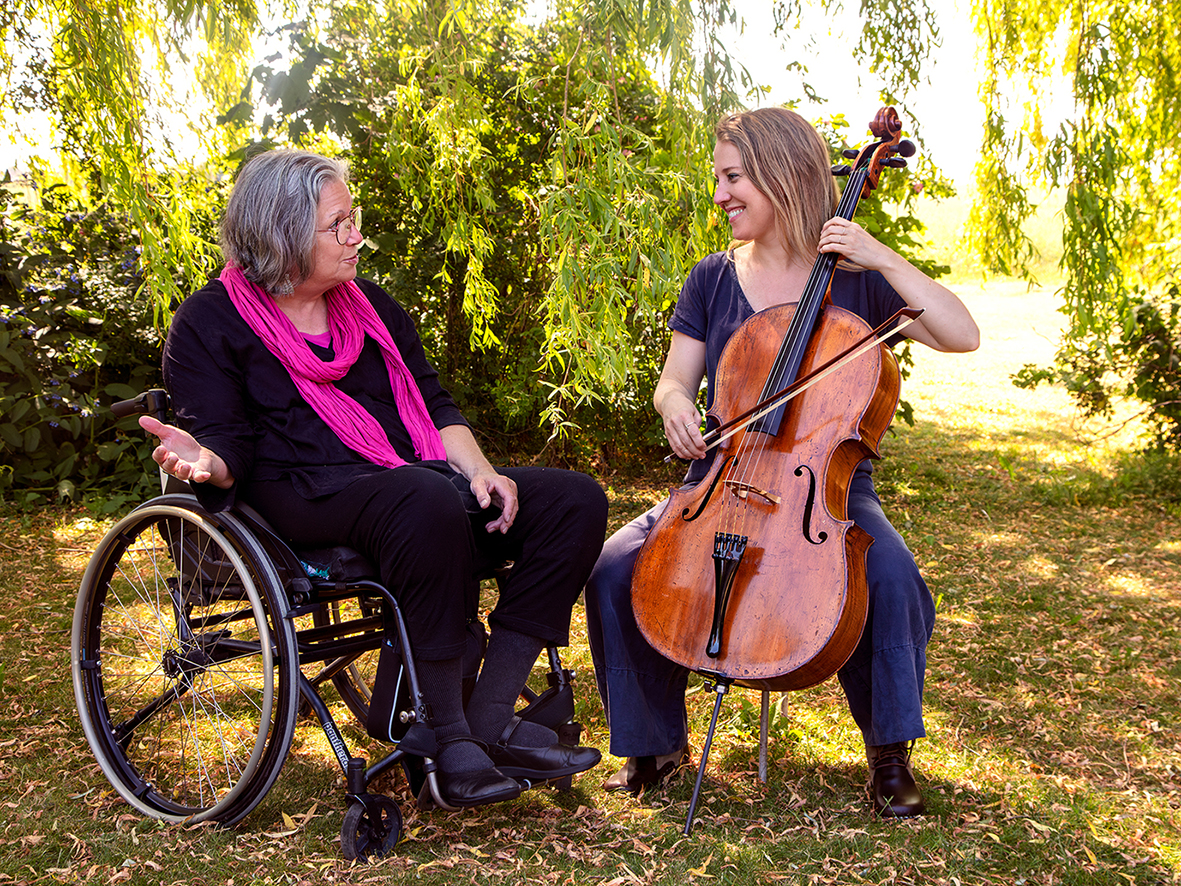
(350, 318)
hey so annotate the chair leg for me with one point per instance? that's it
(764, 724)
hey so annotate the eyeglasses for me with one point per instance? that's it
(343, 229)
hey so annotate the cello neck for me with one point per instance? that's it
(791, 353)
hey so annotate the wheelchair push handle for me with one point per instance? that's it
(152, 402)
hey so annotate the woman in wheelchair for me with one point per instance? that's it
(305, 392)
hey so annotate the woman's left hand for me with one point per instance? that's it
(855, 243)
(491, 488)
(946, 324)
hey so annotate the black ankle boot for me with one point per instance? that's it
(539, 764)
(645, 772)
(891, 781)
(474, 787)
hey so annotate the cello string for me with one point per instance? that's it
(716, 437)
(803, 322)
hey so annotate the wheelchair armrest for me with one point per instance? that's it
(153, 402)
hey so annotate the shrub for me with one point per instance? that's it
(73, 339)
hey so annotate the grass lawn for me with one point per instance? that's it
(1053, 754)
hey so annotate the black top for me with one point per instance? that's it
(237, 399)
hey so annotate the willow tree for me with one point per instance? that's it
(531, 187)
(540, 186)
(112, 227)
(1116, 157)
(109, 76)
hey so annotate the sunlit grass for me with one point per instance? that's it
(1051, 706)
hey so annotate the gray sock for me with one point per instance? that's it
(507, 663)
(440, 682)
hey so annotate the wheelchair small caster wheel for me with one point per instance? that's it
(372, 827)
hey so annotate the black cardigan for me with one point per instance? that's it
(236, 398)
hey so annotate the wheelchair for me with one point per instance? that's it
(198, 639)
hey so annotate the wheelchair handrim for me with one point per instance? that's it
(87, 675)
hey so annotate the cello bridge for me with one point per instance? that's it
(743, 489)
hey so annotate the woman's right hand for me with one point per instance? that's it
(675, 396)
(682, 427)
(181, 456)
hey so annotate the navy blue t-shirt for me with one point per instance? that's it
(712, 306)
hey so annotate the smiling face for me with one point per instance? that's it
(751, 213)
(332, 263)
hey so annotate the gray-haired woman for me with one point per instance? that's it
(306, 393)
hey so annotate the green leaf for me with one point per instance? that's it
(120, 391)
(111, 450)
(11, 436)
(239, 113)
(21, 409)
(12, 358)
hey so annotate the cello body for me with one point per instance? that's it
(795, 599)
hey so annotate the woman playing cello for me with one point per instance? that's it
(775, 185)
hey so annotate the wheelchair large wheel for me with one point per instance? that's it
(184, 663)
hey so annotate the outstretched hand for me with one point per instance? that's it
(180, 455)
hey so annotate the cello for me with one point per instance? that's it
(755, 576)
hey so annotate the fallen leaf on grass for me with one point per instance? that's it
(437, 863)
(701, 871)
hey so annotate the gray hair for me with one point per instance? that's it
(269, 229)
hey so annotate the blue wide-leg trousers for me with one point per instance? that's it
(643, 693)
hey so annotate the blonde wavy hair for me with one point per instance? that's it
(788, 161)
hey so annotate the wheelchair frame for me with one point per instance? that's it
(188, 666)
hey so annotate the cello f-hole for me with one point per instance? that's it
(689, 518)
(822, 536)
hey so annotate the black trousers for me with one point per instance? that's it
(421, 525)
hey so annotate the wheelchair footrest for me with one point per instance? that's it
(570, 734)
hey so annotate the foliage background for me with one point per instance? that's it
(537, 186)
(1114, 158)
(535, 190)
